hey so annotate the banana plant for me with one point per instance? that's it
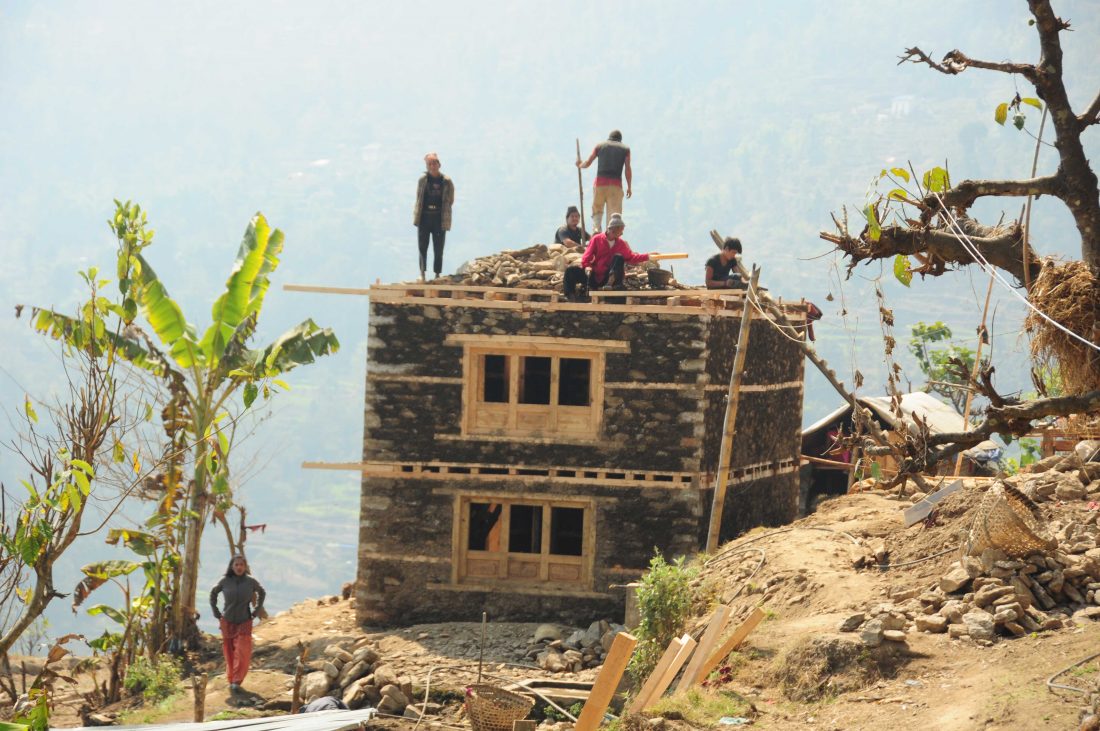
(201, 375)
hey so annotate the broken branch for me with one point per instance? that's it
(955, 62)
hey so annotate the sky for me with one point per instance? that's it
(756, 119)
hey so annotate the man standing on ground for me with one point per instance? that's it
(435, 194)
(614, 158)
(571, 234)
(604, 261)
(722, 267)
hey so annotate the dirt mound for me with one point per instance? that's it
(817, 668)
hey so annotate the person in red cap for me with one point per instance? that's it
(604, 262)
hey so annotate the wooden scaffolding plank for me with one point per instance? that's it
(710, 637)
(719, 501)
(650, 685)
(733, 642)
(687, 645)
(606, 682)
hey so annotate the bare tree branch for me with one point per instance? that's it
(967, 192)
(940, 247)
(955, 62)
(1092, 114)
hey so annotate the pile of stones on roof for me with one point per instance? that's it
(541, 266)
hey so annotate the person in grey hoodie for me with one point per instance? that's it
(239, 589)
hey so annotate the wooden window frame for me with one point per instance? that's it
(503, 567)
(512, 418)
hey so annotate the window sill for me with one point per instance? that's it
(590, 441)
(508, 587)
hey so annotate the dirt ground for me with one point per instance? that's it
(801, 575)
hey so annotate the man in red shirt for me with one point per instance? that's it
(604, 262)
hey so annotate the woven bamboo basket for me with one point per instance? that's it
(495, 709)
(1007, 519)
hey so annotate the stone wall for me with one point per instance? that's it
(405, 548)
(643, 429)
(405, 559)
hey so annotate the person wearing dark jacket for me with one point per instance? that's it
(572, 233)
(435, 196)
(239, 590)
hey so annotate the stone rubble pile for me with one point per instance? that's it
(357, 675)
(580, 650)
(541, 266)
(983, 597)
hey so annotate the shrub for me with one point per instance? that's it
(156, 679)
(664, 603)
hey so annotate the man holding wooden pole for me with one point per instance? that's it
(614, 160)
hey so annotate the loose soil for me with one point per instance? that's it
(801, 575)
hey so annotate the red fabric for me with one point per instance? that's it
(600, 252)
(237, 648)
(608, 181)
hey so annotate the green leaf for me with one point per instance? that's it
(1033, 102)
(165, 316)
(109, 569)
(901, 173)
(64, 328)
(901, 270)
(281, 383)
(250, 393)
(221, 485)
(298, 346)
(118, 454)
(107, 611)
(140, 542)
(84, 466)
(935, 180)
(29, 409)
(898, 194)
(246, 287)
(82, 482)
(106, 642)
(148, 412)
(1001, 114)
(876, 471)
(873, 228)
(1018, 120)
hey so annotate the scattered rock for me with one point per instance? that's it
(852, 622)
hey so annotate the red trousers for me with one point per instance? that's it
(237, 647)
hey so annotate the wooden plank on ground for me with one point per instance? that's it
(654, 678)
(920, 511)
(599, 698)
(710, 637)
(687, 645)
(733, 642)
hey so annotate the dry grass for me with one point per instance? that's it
(824, 667)
(1070, 294)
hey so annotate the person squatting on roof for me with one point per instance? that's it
(435, 194)
(603, 263)
(571, 234)
(238, 588)
(722, 267)
(614, 158)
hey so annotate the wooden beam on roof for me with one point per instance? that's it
(514, 342)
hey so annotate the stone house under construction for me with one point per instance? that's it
(524, 455)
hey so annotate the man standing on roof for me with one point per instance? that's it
(435, 194)
(604, 262)
(571, 234)
(614, 158)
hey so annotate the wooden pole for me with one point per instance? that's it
(732, 397)
(706, 645)
(481, 651)
(733, 642)
(198, 687)
(974, 371)
(606, 682)
(299, 673)
(580, 189)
